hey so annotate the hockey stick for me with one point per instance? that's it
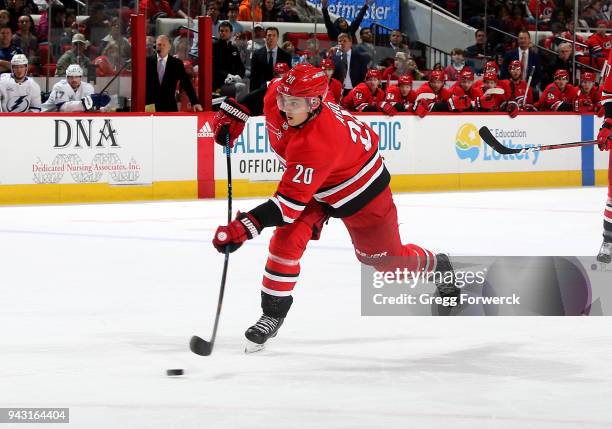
(198, 345)
(488, 138)
(528, 86)
(127, 62)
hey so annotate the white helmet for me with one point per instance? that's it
(74, 70)
(19, 60)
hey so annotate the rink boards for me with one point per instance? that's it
(51, 158)
(88, 158)
(444, 152)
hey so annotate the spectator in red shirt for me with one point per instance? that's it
(152, 7)
(600, 43)
(542, 9)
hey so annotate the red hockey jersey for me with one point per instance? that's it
(344, 173)
(334, 93)
(587, 101)
(515, 91)
(552, 97)
(457, 90)
(490, 100)
(394, 95)
(606, 88)
(600, 44)
(441, 96)
(361, 96)
(543, 10)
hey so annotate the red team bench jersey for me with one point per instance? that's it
(515, 91)
(394, 95)
(333, 159)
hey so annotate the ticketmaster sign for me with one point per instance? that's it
(385, 12)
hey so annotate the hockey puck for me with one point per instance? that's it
(174, 372)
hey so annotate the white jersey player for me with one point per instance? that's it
(19, 94)
(74, 95)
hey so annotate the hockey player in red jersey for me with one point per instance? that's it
(463, 92)
(516, 88)
(401, 96)
(343, 177)
(490, 67)
(558, 96)
(280, 69)
(492, 96)
(335, 87)
(367, 96)
(432, 96)
(588, 95)
(604, 140)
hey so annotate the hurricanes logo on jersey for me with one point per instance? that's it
(18, 104)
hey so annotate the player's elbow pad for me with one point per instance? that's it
(268, 214)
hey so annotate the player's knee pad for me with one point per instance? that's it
(275, 306)
(290, 241)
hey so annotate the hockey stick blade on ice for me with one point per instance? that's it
(198, 345)
(495, 144)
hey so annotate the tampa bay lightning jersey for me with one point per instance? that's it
(19, 97)
(62, 94)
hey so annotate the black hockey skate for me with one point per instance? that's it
(605, 253)
(446, 287)
(265, 328)
(444, 266)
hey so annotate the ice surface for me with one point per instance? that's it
(99, 300)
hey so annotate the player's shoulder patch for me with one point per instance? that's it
(5, 76)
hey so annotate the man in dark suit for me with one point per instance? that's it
(528, 58)
(163, 73)
(264, 59)
(351, 64)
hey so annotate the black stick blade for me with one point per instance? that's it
(199, 346)
(488, 138)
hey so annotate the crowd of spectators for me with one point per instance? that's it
(245, 58)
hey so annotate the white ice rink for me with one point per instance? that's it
(97, 301)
